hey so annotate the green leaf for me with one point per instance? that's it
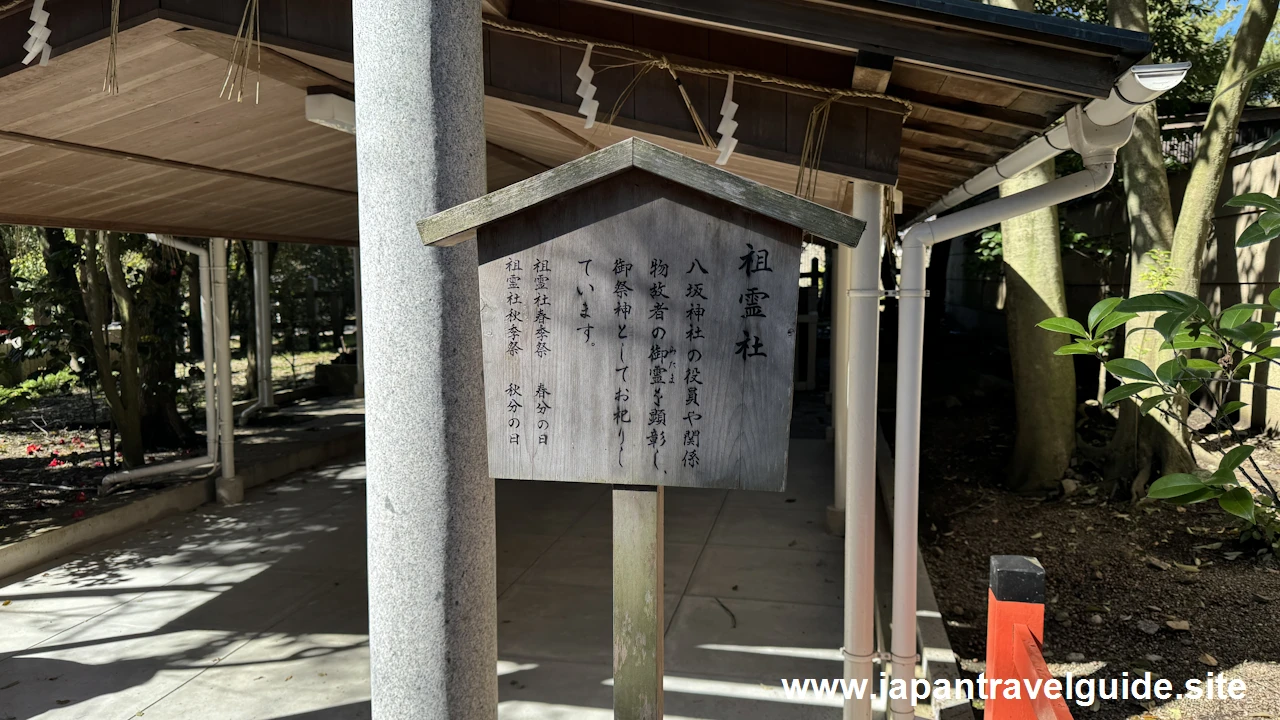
(1169, 323)
(1248, 332)
(1263, 355)
(1189, 386)
(1185, 341)
(1169, 370)
(1076, 348)
(1124, 391)
(1239, 502)
(1234, 458)
(1149, 404)
(1101, 309)
(1205, 493)
(1257, 233)
(1063, 325)
(1274, 298)
(1255, 199)
(1221, 478)
(1202, 364)
(1191, 303)
(1270, 143)
(1114, 320)
(1239, 314)
(1176, 485)
(1231, 407)
(1155, 302)
(1132, 369)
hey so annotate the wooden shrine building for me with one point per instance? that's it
(936, 92)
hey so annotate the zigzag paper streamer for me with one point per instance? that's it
(727, 124)
(38, 42)
(586, 90)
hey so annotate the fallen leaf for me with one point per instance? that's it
(1157, 563)
(1209, 660)
(5, 603)
(1232, 555)
(1210, 546)
(1181, 625)
(288, 678)
(1187, 568)
(1037, 536)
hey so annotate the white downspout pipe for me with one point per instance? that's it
(210, 407)
(862, 342)
(262, 329)
(1097, 145)
(222, 336)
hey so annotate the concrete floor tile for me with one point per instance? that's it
(760, 641)
(799, 576)
(279, 675)
(542, 690)
(745, 526)
(588, 562)
(556, 623)
(809, 481)
(520, 550)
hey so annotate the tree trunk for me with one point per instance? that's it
(123, 391)
(195, 327)
(1044, 383)
(1195, 219)
(159, 320)
(6, 277)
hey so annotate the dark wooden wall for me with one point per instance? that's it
(861, 141)
(319, 26)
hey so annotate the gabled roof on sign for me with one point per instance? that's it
(460, 222)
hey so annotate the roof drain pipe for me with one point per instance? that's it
(262, 330)
(1097, 145)
(210, 404)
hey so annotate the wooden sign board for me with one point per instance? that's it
(638, 332)
(638, 310)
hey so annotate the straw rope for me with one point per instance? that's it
(248, 36)
(815, 133)
(111, 83)
(707, 70)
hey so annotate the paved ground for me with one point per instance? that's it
(258, 611)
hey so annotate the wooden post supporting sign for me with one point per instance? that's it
(638, 616)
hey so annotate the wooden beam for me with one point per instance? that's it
(977, 161)
(988, 140)
(275, 65)
(692, 62)
(860, 173)
(522, 162)
(872, 72)
(990, 48)
(912, 167)
(167, 164)
(1030, 122)
(499, 8)
(91, 223)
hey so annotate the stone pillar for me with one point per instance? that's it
(420, 149)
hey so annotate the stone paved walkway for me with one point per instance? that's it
(259, 611)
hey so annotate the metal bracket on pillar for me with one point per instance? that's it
(896, 294)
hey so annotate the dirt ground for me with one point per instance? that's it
(51, 461)
(1130, 587)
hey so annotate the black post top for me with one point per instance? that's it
(1017, 578)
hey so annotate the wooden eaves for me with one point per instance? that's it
(459, 223)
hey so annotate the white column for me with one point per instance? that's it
(862, 372)
(229, 489)
(842, 262)
(206, 328)
(432, 599)
(355, 265)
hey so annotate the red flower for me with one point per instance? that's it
(81, 497)
(55, 463)
(54, 453)
(77, 514)
(98, 464)
(33, 448)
